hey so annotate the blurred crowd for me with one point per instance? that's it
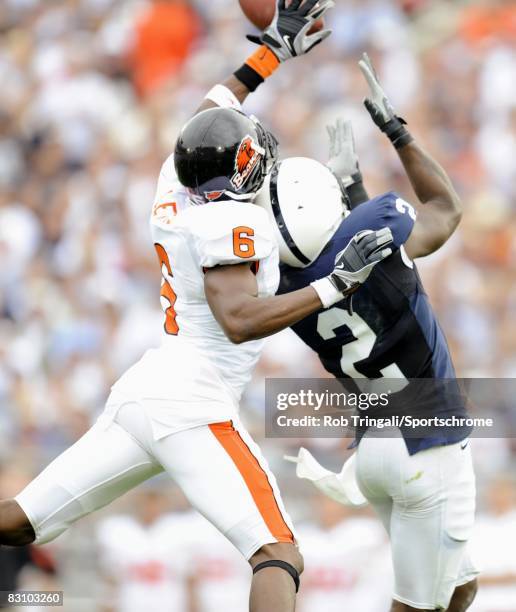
(93, 95)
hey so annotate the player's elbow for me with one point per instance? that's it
(237, 330)
(455, 209)
(236, 336)
(448, 217)
(238, 339)
(456, 217)
(235, 320)
(452, 220)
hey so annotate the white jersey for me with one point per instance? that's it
(145, 563)
(196, 362)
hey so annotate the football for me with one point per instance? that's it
(261, 12)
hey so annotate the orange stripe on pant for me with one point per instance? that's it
(255, 478)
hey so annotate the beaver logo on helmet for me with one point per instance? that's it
(247, 157)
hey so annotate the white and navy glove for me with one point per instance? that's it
(287, 35)
(353, 265)
(343, 158)
(380, 109)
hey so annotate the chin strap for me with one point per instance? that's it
(290, 569)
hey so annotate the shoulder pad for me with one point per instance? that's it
(231, 232)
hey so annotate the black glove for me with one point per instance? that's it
(287, 36)
(354, 264)
(380, 108)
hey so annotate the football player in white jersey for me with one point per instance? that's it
(176, 410)
(303, 229)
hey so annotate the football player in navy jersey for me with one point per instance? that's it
(422, 488)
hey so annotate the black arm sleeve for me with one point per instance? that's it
(356, 191)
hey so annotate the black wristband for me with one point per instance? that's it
(397, 133)
(356, 191)
(248, 77)
(403, 139)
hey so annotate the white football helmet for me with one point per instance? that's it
(306, 203)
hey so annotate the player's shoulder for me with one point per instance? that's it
(380, 206)
(391, 203)
(386, 210)
(369, 215)
(224, 220)
(385, 199)
(229, 232)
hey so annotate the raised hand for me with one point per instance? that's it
(380, 109)
(287, 36)
(343, 158)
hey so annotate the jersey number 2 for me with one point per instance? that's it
(168, 295)
(357, 350)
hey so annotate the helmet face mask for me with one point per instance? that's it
(306, 203)
(223, 154)
(270, 144)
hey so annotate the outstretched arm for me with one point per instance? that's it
(232, 294)
(441, 211)
(234, 88)
(232, 290)
(286, 37)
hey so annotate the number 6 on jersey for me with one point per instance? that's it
(243, 244)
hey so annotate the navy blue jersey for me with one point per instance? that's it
(393, 331)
